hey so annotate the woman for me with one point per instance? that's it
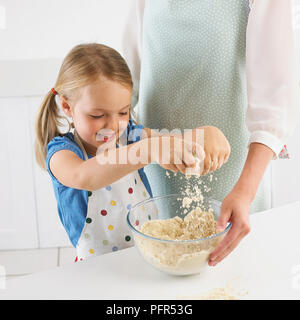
(218, 62)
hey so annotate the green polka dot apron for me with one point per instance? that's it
(193, 74)
(105, 229)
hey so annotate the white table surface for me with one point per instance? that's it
(266, 265)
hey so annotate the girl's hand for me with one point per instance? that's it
(235, 209)
(176, 153)
(216, 148)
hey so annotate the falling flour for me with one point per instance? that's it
(193, 191)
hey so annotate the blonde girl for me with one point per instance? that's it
(94, 88)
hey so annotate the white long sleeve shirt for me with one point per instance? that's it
(273, 87)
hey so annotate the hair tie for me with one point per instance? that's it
(53, 91)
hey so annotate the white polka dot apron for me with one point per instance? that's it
(105, 229)
(193, 74)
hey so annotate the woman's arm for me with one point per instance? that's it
(271, 69)
(258, 159)
(273, 103)
(235, 207)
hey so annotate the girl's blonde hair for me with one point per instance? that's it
(82, 66)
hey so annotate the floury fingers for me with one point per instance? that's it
(164, 146)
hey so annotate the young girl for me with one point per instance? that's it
(94, 87)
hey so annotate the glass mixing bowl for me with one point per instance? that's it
(177, 257)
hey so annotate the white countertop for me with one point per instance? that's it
(266, 265)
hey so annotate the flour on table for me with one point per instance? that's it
(223, 293)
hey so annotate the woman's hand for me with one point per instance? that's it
(236, 206)
(216, 148)
(235, 209)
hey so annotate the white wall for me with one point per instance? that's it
(37, 34)
(42, 29)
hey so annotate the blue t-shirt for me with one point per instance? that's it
(72, 203)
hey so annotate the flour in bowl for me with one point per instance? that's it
(195, 225)
(179, 257)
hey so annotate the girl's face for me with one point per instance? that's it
(101, 113)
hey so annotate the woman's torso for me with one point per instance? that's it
(193, 74)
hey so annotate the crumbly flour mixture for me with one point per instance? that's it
(195, 225)
(179, 258)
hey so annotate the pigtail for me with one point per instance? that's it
(46, 127)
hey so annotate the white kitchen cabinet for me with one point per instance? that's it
(50, 230)
(18, 219)
(28, 209)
